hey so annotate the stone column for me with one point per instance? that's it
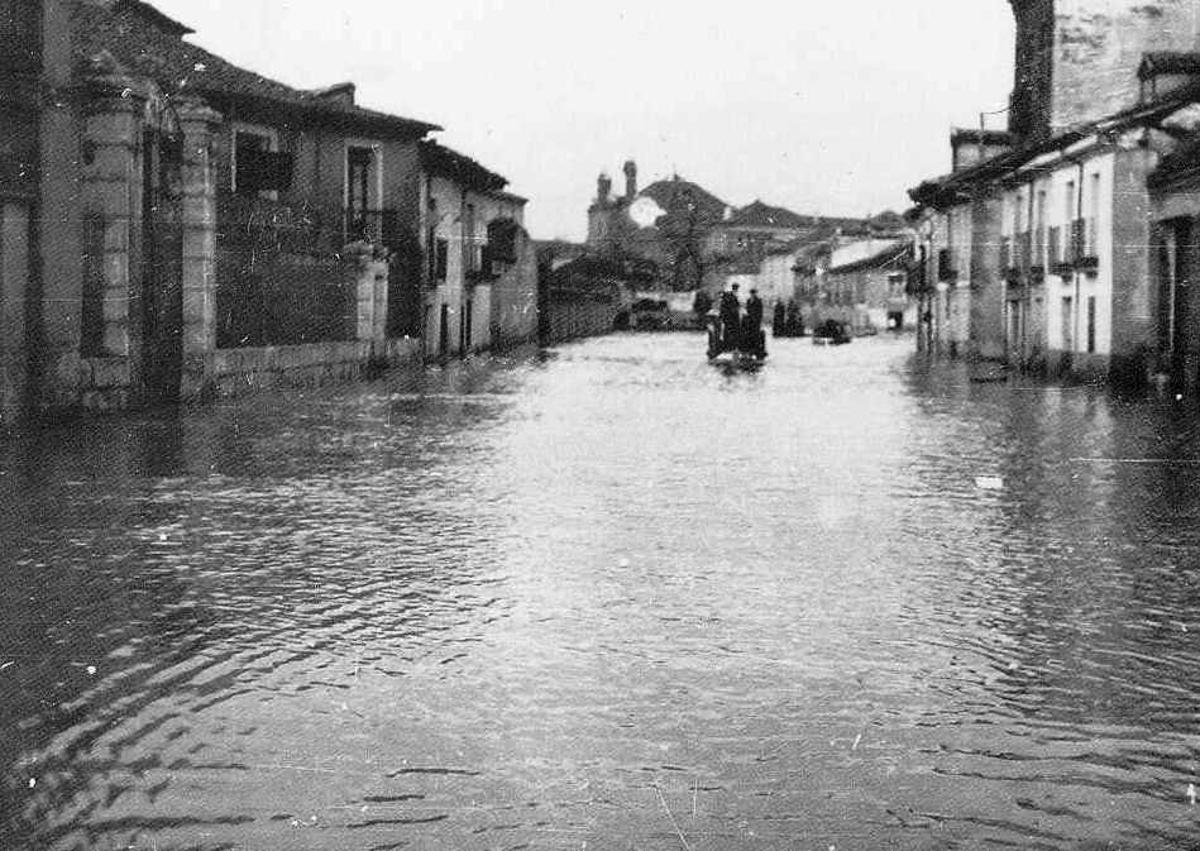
(372, 303)
(985, 336)
(111, 201)
(199, 124)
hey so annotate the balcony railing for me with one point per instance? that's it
(1084, 254)
(378, 227)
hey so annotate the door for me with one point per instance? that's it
(162, 267)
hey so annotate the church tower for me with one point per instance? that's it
(1077, 60)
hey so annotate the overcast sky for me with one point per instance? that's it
(833, 107)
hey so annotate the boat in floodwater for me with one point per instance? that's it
(747, 351)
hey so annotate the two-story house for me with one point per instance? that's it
(481, 266)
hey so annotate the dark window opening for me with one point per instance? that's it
(20, 35)
(441, 259)
(1091, 323)
(258, 168)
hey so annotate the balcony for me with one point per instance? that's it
(1056, 260)
(1084, 255)
(377, 227)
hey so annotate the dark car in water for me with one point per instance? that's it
(650, 314)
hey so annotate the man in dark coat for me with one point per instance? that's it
(752, 330)
(731, 315)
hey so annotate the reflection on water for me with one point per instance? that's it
(608, 595)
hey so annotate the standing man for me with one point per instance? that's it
(752, 333)
(731, 317)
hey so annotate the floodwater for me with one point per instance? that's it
(609, 597)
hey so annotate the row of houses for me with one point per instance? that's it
(853, 270)
(1067, 243)
(174, 226)
(858, 276)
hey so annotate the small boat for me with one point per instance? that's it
(743, 355)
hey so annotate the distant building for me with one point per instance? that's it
(694, 237)
(481, 266)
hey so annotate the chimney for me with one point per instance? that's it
(630, 179)
(603, 187)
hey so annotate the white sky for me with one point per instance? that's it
(833, 107)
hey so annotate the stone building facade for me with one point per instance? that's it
(173, 226)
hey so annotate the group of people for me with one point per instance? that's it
(787, 321)
(741, 331)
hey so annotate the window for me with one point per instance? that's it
(363, 189)
(1090, 248)
(1039, 227)
(441, 258)
(1091, 323)
(474, 257)
(257, 165)
(20, 35)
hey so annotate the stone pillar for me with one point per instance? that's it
(985, 335)
(199, 125)
(372, 303)
(111, 200)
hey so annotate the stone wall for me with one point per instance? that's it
(233, 372)
(514, 318)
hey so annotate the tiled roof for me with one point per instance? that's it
(446, 162)
(890, 257)
(760, 215)
(1182, 164)
(1168, 62)
(146, 43)
(955, 188)
(672, 194)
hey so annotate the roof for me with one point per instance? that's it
(1180, 165)
(671, 194)
(1168, 62)
(964, 135)
(446, 162)
(956, 187)
(889, 257)
(146, 43)
(760, 215)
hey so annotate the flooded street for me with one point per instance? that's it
(609, 597)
